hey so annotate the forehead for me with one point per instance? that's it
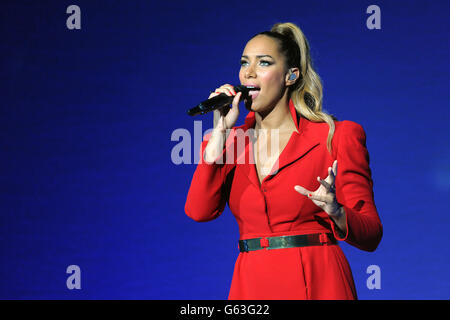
(261, 45)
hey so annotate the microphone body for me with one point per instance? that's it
(219, 101)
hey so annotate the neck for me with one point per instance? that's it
(279, 117)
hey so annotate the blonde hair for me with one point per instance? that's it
(306, 93)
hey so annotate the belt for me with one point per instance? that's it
(302, 240)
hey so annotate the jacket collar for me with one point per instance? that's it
(299, 144)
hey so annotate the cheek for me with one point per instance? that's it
(241, 76)
(272, 80)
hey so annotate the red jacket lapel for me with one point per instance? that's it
(300, 143)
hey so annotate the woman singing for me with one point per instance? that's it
(296, 204)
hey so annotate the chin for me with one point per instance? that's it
(255, 107)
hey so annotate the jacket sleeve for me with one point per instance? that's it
(354, 190)
(206, 198)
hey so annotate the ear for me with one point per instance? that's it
(288, 80)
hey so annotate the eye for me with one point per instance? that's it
(262, 62)
(265, 63)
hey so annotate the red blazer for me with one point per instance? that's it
(275, 208)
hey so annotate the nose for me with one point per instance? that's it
(250, 72)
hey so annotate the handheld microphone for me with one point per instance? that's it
(219, 101)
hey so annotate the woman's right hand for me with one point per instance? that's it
(225, 118)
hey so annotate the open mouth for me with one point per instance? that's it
(253, 93)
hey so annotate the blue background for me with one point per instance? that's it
(85, 141)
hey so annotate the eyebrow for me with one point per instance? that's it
(260, 56)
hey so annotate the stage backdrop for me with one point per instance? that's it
(91, 196)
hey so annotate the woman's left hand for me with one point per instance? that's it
(325, 196)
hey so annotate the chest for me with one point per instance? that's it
(267, 148)
(258, 201)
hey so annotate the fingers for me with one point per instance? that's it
(236, 99)
(228, 89)
(220, 115)
(311, 195)
(328, 182)
(225, 117)
(325, 200)
(233, 114)
(332, 172)
(302, 190)
(317, 197)
(335, 168)
(325, 184)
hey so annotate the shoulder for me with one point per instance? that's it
(349, 128)
(349, 136)
(344, 127)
